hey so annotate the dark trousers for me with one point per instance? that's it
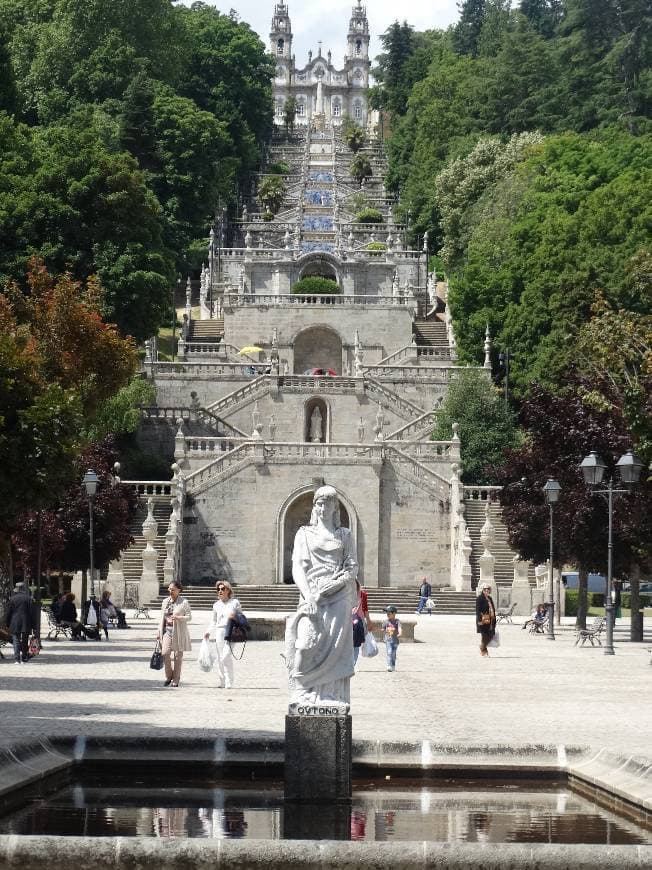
(20, 642)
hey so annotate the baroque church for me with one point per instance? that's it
(324, 95)
(275, 391)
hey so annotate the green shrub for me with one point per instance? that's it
(369, 216)
(376, 246)
(268, 216)
(593, 599)
(626, 599)
(317, 285)
(279, 168)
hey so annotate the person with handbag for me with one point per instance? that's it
(225, 608)
(173, 632)
(485, 618)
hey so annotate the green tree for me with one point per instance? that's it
(290, 113)
(353, 134)
(466, 33)
(392, 85)
(486, 425)
(564, 223)
(360, 168)
(544, 16)
(561, 429)
(271, 193)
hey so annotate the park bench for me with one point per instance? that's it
(56, 628)
(592, 633)
(5, 638)
(132, 599)
(538, 626)
(504, 614)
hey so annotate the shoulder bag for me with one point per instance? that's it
(156, 661)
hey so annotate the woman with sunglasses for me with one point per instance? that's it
(224, 608)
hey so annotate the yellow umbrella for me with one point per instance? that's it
(250, 348)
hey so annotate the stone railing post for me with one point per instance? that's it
(487, 560)
(521, 592)
(115, 581)
(148, 590)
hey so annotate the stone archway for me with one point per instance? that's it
(295, 513)
(317, 347)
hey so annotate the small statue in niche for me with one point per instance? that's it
(316, 426)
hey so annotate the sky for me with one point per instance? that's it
(328, 20)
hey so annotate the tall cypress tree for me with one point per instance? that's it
(544, 16)
(466, 33)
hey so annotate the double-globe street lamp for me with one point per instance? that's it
(551, 491)
(593, 468)
(90, 481)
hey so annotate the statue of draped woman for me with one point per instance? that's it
(318, 637)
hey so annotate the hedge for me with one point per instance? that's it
(369, 216)
(596, 599)
(376, 246)
(314, 284)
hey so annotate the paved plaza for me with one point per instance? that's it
(530, 691)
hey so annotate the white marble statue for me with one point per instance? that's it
(316, 426)
(318, 637)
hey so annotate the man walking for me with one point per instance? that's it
(425, 591)
(19, 622)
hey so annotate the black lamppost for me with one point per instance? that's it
(593, 468)
(551, 491)
(90, 481)
(504, 359)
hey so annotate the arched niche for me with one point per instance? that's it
(316, 430)
(295, 512)
(317, 347)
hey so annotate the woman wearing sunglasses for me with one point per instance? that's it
(224, 608)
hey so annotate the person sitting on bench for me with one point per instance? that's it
(538, 617)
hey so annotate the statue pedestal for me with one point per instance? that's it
(318, 759)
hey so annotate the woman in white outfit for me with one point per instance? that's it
(224, 608)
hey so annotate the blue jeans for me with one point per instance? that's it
(422, 603)
(391, 646)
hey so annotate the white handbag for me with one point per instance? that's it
(369, 648)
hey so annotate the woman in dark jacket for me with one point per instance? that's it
(68, 616)
(485, 618)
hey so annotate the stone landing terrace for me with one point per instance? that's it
(531, 692)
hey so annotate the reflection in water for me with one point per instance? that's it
(445, 812)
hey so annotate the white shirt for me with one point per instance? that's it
(222, 612)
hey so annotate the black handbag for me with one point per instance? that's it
(236, 633)
(156, 661)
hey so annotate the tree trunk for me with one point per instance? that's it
(635, 625)
(6, 574)
(582, 587)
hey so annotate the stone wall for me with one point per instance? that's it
(236, 529)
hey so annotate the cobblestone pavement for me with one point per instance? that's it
(529, 691)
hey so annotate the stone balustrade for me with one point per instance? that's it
(201, 447)
(293, 299)
(146, 488)
(481, 493)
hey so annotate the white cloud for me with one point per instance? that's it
(329, 21)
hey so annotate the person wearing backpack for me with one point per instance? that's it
(224, 609)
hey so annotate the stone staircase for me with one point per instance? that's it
(132, 557)
(206, 331)
(474, 512)
(431, 333)
(284, 599)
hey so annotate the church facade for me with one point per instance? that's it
(324, 94)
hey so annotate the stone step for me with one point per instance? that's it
(206, 330)
(286, 598)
